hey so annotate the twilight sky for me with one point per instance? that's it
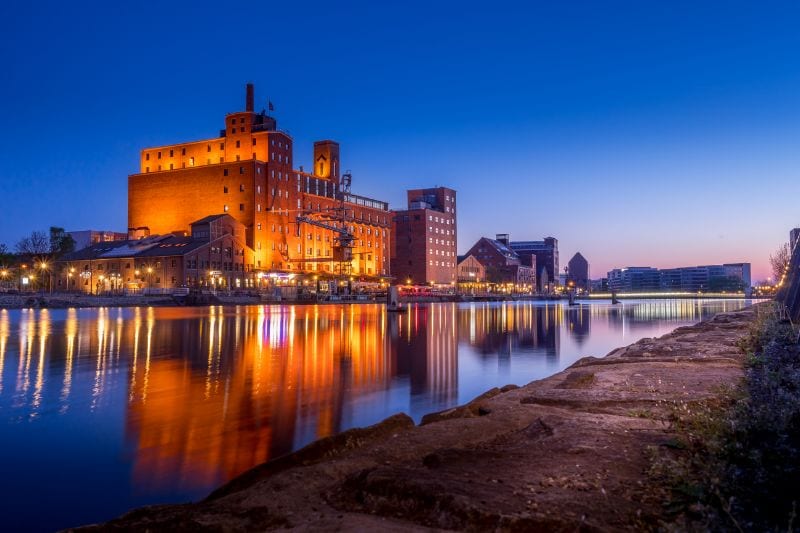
(638, 133)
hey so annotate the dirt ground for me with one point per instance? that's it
(566, 453)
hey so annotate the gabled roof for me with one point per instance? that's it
(209, 218)
(502, 248)
(154, 246)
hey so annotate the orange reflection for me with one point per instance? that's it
(233, 397)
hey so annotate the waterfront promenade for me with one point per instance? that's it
(564, 453)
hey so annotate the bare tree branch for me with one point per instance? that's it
(779, 261)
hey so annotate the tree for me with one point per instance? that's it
(36, 243)
(60, 241)
(779, 261)
(6, 257)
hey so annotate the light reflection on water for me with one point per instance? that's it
(105, 409)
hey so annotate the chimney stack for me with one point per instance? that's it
(249, 102)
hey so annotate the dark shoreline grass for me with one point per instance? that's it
(735, 465)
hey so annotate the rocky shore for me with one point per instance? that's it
(570, 452)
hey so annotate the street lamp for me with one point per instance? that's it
(43, 267)
(149, 279)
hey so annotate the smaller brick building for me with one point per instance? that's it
(213, 254)
(470, 270)
(578, 272)
(503, 266)
(423, 243)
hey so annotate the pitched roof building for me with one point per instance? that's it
(212, 254)
(502, 264)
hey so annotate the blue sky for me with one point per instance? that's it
(638, 133)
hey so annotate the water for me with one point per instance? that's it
(102, 410)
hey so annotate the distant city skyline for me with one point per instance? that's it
(636, 134)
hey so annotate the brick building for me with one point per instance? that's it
(423, 240)
(503, 266)
(470, 270)
(578, 272)
(546, 254)
(247, 172)
(213, 254)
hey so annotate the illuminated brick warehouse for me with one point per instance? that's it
(295, 222)
(423, 249)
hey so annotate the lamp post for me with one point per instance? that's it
(43, 266)
(22, 277)
(70, 274)
(149, 278)
(4, 275)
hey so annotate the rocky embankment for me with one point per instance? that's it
(570, 452)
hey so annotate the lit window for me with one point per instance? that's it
(225, 208)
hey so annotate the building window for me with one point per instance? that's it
(254, 142)
(183, 151)
(241, 207)
(147, 157)
(234, 131)
(171, 154)
(191, 161)
(147, 169)
(159, 155)
(241, 171)
(208, 148)
(221, 146)
(225, 172)
(258, 207)
(170, 166)
(238, 144)
(225, 208)
(225, 189)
